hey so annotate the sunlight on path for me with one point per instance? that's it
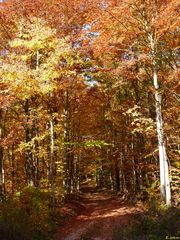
(98, 221)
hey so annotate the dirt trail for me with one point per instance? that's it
(99, 219)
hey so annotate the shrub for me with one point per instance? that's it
(27, 216)
(14, 222)
(151, 227)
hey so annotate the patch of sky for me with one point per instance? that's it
(126, 56)
(86, 27)
(88, 79)
(89, 34)
(92, 34)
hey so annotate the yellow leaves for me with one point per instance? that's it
(140, 123)
(34, 34)
(18, 79)
(29, 146)
(38, 58)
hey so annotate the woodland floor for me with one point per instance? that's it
(95, 215)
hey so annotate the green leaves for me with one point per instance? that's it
(88, 144)
(95, 143)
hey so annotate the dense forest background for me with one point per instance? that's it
(89, 91)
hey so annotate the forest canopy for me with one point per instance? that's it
(89, 90)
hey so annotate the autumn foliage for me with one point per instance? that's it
(77, 99)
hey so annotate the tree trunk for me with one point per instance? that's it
(1, 173)
(68, 155)
(163, 161)
(2, 180)
(13, 168)
(29, 168)
(36, 158)
(52, 163)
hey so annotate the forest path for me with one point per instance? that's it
(99, 219)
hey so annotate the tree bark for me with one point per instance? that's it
(52, 163)
(163, 161)
(2, 180)
(29, 168)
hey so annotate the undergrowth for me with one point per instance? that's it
(160, 225)
(27, 216)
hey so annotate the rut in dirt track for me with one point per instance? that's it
(100, 217)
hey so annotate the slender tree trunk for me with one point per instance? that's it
(28, 154)
(66, 138)
(1, 171)
(2, 179)
(52, 163)
(13, 168)
(67, 149)
(37, 60)
(36, 159)
(163, 161)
